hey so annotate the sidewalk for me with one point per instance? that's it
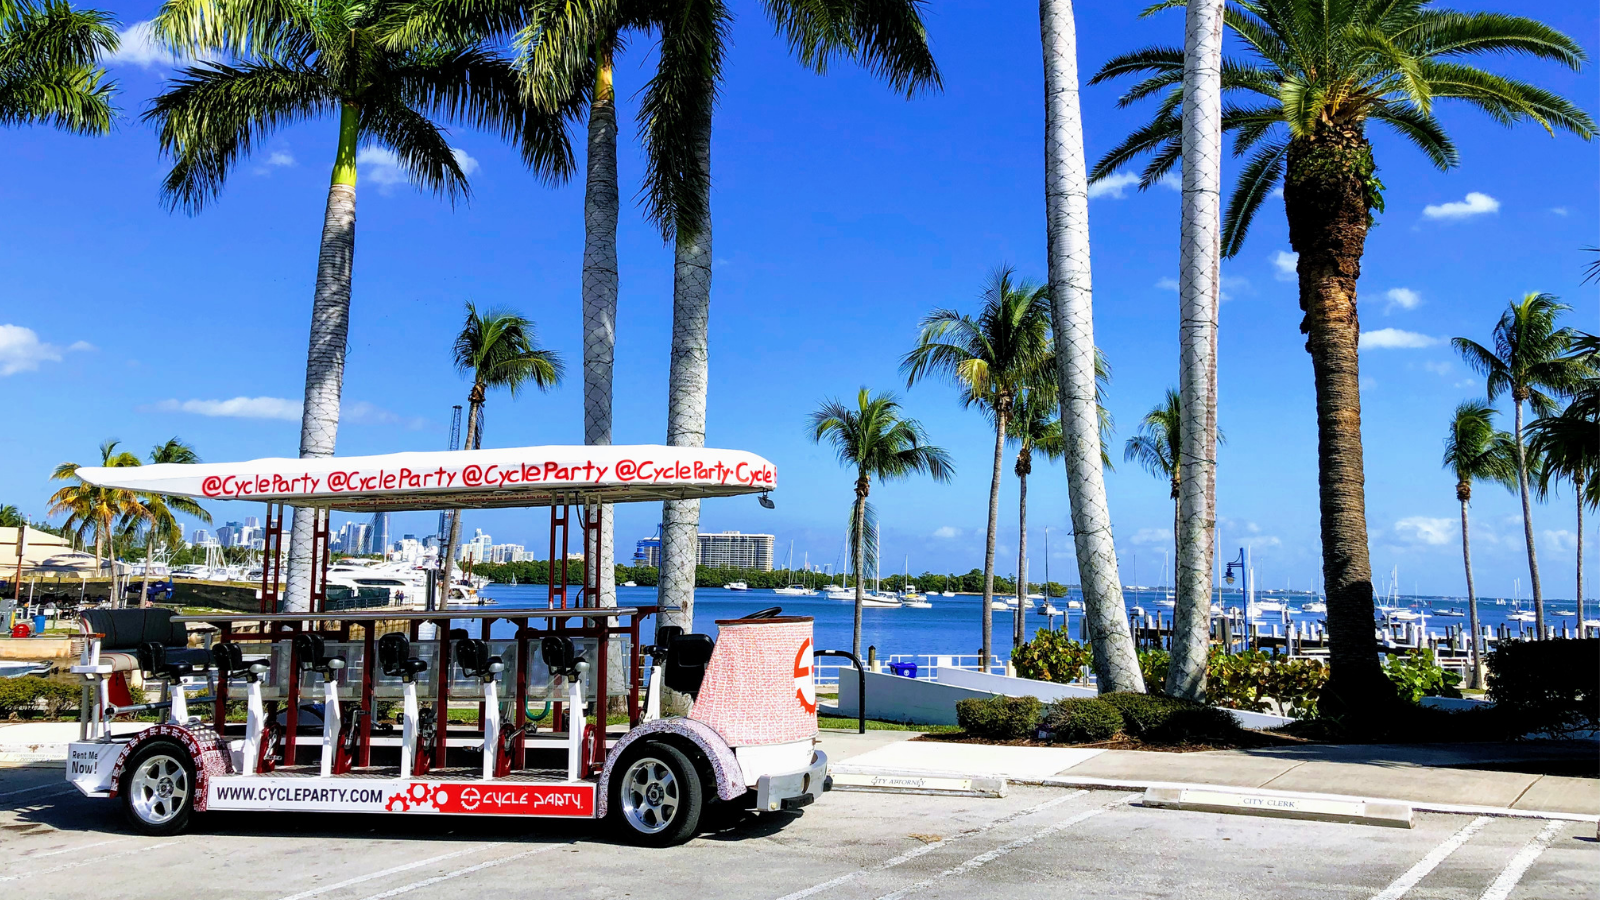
(1448, 777)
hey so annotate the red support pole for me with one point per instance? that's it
(291, 724)
(519, 758)
(220, 711)
(369, 689)
(442, 718)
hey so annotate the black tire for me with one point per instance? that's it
(157, 788)
(656, 796)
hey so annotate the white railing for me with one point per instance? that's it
(826, 671)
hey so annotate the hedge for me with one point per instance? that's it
(1552, 687)
(1082, 720)
(999, 718)
(31, 693)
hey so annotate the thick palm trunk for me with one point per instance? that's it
(989, 539)
(1019, 628)
(330, 328)
(859, 552)
(1067, 232)
(1326, 197)
(1527, 527)
(1198, 273)
(447, 556)
(686, 407)
(1472, 597)
(600, 210)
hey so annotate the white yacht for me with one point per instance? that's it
(883, 601)
(794, 590)
(736, 586)
(1316, 607)
(910, 597)
(630, 584)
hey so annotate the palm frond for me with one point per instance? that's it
(419, 146)
(675, 116)
(1259, 176)
(887, 37)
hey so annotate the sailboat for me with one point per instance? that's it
(908, 591)
(949, 579)
(1169, 601)
(1047, 608)
(876, 597)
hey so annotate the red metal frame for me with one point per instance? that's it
(272, 558)
(560, 517)
(321, 554)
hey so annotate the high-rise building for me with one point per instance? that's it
(735, 550)
(477, 549)
(235, 534)
(506, 553)
(252, 522)
(201, 536)
(380, 533)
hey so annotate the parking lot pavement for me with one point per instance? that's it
(1034, 843)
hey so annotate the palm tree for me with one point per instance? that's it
(497, 349)
(1475, 451)
(155, 511)
(1066, 193)
(50, 66)
(1158, 446)
(880, 443)
(1319, 74)
(991, 359)
(95, 510)
(1036, 428)
(1568, 445)
(11, 517)
(1531, 361)
(301, 59)
(1199, 291)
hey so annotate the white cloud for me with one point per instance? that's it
(469, 166)
(1442, 367)
(1475, 204)
(1153, 536)
(1368, 384)
(1265, 541)
(1426, 530)
(137, 46)
(364, 413)
(1559, 210)
(280, 158)
(1561, 541)
(384, 167)
(1285, 261)
(1168, 284)
(1113, 186)
(1396, 339)
(1405, 298)
(947, 532)
(22, 351)
(237, 408)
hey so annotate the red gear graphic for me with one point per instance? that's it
(400, 800)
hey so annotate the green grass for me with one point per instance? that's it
(875, 725)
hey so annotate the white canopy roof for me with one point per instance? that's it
(515, 476)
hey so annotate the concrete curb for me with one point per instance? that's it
(944, 784)
(1347, 811)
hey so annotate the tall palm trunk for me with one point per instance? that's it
(859, 554)
(1067, 232)
(330, 328)
(1519, 395)
(1325, 194)
(1464, 494)
(994, 526)
(1018, 628)
(447, 558)
(686, 406)
(1198, 273)
(600, 211)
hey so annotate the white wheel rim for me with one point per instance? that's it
(649, 796)
(159, 789)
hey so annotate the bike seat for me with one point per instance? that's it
(395, 659)
(157, 660)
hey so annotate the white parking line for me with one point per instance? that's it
(83, 862)
(395, 892)
(71, 849)
(37, 787)
(1519, 865)
(1416, 873)
(915, 852)
(983, 859)
(386, 872)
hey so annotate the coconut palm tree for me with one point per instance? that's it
(1066, 193)
(50, 70)
(95, 510)
(1036, 428)
(295, 60)
(1158, 446)
(1475, 450)
(991, 359)
(1568, 445)
(879, 442)
(1199, 292)
(154, 512)
(11, 517)
(496, 349)
(1532, 361)
(1320, 74)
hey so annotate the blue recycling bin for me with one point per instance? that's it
(904, 669)
(38, 625)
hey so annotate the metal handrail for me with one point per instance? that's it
(861, 675)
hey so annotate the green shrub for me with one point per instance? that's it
(31, 693)
(999, 718)
(1052, 656)
(1143, 715)
(1255, 680)
(1153, 664)
(1082, 720)
(1552, 687)
(1417, 674)
(1197, 725)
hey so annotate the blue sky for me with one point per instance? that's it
(842, 214)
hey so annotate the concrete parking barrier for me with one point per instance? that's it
(1354, 811)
